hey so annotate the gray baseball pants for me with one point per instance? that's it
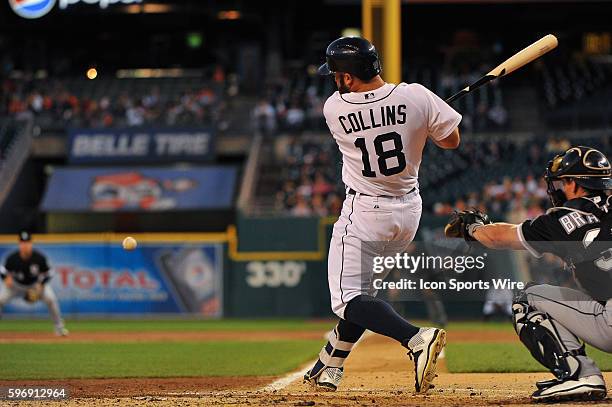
(47, 296)
(576, 314)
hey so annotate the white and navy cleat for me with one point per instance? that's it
(328, 380)
(544, 384)
(61, 331)
(424, 349)
(582, 389)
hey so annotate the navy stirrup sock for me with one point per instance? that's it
(378, 316)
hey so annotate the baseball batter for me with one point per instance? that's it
(381, 130)
(26, 273)
(549, 320)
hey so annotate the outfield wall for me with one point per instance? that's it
(93, 275)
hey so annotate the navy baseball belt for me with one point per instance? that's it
(351, 191)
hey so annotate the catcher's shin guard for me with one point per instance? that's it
(537, 331)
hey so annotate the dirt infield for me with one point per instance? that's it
(113, 388)
(178, 336)
(378, 374)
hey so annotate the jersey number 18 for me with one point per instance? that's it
(383, 155)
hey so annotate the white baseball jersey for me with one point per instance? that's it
(382, 133)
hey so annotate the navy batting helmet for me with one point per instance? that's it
(353, 55)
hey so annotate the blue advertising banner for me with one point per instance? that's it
(138, 145)
(147, 189)
(101, 278)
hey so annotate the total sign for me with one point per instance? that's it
(32, 9)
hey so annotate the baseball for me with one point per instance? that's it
(129, 243)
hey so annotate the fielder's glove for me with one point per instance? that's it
(463, 223)
(32, 294)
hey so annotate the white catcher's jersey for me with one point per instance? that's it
(381, 135)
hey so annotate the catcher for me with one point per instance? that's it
(26, 274)
(553, 321)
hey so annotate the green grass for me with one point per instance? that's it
(227, 358)
(153, 359)
(478, 326)
(168, 325)
(503, 358)
(157, 359)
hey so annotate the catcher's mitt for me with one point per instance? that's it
(462, 223)
(32, 295)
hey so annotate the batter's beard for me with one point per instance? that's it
(343, 87)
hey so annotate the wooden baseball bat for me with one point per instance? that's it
(521, 58)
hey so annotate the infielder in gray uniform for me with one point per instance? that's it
(26, 274)
(551, 321)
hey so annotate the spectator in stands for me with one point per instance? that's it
(305, 187)
(318, 205)
(518, 186)
(460, 205)
(135, 115)
(534, 209)
(442, 209)
(265, 117)
(519, 198)
(53, 103)
(498, 117)
(295, 118)
(36, 102)
(151, 100)
(517, 212)
(321, 186)
(531, 184)
(314, 109)
(301, 207)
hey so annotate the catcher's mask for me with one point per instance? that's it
(587, 166)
